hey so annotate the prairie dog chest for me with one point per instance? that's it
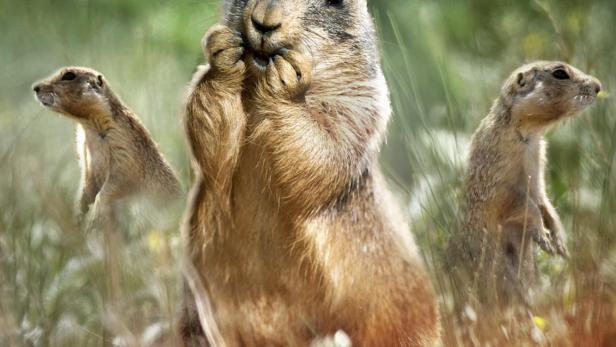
(94, 153)
(533, 164)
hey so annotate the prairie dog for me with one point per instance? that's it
(290, 223)
(507, 206)
(117, 155)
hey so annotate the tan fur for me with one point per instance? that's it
(507, 206)
(290, 224)
(117, 155)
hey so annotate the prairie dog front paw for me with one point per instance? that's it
(558, 243)
(224, 49)
(542, 238)
(288, 74)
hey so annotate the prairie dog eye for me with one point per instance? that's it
(560, 74)
(68, 76)
(335, 3)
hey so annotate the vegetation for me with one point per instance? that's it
(444, 60)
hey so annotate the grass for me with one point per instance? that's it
(444, 61)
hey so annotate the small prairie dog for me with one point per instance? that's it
(506, 200)
(117, 154)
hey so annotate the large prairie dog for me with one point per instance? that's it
(117, 155)
(507, 206)
(291, 225)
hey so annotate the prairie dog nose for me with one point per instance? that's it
(37, 88)
(596, 85)
(267, 16)
(591, 85)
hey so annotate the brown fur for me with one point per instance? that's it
(117, 154)
(507, 206)
(290, 224)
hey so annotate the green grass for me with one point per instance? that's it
(444, 61)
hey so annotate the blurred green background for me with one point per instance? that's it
(445, 61)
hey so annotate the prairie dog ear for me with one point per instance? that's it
(100, 80)
(524, 80)
(521, 80)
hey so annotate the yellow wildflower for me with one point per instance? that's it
(540, 323)
(156, 241)
(603, 95)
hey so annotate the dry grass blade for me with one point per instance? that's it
(205, 309)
